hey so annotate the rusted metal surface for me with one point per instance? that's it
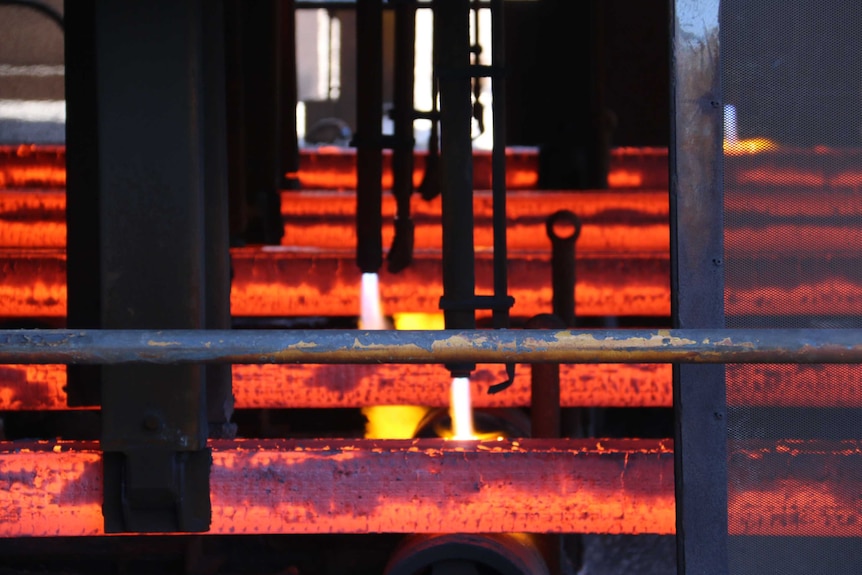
(614, 221)
(302, 282)
(787, 488)
(697, 282)
(335, 168)
(686, 346)
(42, 387)
(795, 488)
(364, 486)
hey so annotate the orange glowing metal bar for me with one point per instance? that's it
(794, 385)
(630, 221)
(614, 221)
(831, 296)
(795, 201)
(31, 166)
(284, 282)
(625, 179)
(42, 387)
(432, 485)
(805, 488)
(332, 168)
(335, 168)
(372, 486)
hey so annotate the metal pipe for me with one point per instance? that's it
(498, 161)
(451, 23)
(545, 386)
(563, 228)
(401, 253)
(368, 139)
(486, 346)
(452, 38)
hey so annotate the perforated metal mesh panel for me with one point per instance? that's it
(792, 70)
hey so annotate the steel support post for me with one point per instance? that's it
(82, 191)
(697, 284)
(261, 76)
(289, 96)
(219, 391)
(369, 138)
(401, 254)
(153, 173)
(452, 42)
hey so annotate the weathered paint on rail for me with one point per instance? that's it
(486, 346)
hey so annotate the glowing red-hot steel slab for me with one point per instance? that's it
(288, 282)
(42, 387)
(335, 168)
(614, 221)
(297, 282)
(364, 486)
(618, 221)
(780, 385)
(31, 165)
(803, 488)
(786, 488)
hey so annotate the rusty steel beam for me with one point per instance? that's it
(364, 486)
(632, 221)
(685, 346)
(302, 282)
(786, 488)
(42, 387)
(335, 168)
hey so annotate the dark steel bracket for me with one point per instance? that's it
(153, 490)
(163, 251)
(697, 284)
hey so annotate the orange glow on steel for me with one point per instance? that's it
(749, 146)
(426, 486)
(35, 218)
(363, 486)
(42, 387)
(625, 179)
(300, 282)
(461, 409)
(334, 168)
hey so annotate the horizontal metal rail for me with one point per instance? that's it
(487, 346)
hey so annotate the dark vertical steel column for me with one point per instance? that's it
(289, 97)
(219, 389)
(401, 253)
(697, 284)
(261, 74)
(82, 191)
(236, 133)
(498, 163)
(452, 40)
(369, 120)
(153, 171)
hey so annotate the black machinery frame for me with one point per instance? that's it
(697, 283)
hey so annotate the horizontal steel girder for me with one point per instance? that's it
(43, 387)
(433, 486)
(299, 282)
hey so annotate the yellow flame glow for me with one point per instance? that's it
(461, 409)
(748, 146)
